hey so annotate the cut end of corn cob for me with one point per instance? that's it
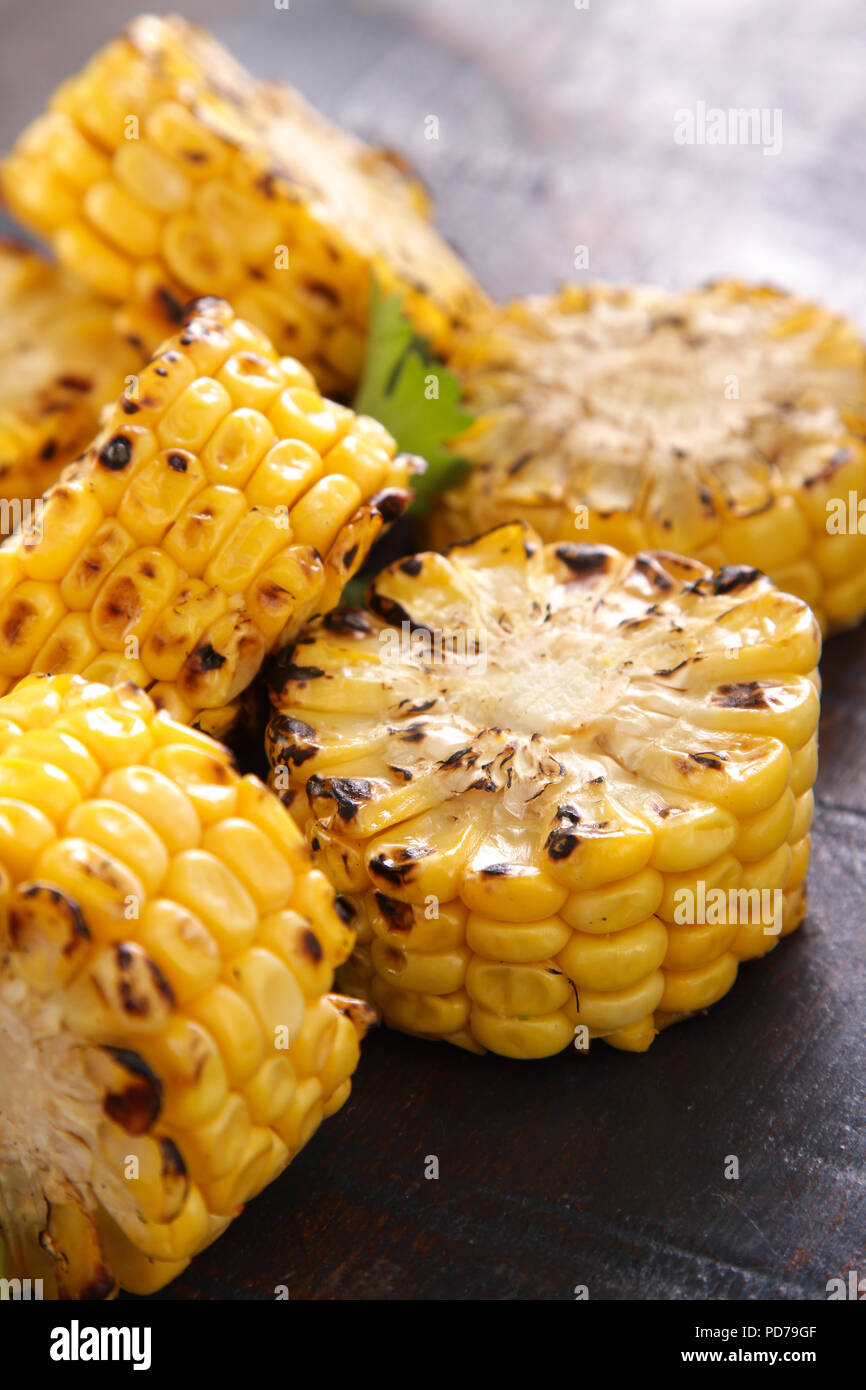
(529, 768)
(163, 172)
(223, 503)
(62, 357)
(168, 1039)
(719, 423)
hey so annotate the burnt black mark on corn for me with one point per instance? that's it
(300, 739)
(712, 760)
(398, 868)
(498, 870)
(178, 463)
(394, 613)
(173, 1165)
(741, 695)
(584, 560)
(726, 580)
(412, 566)
(71, 381)
(672, 670)
(459, 755)
(322, 290)
(346, 911)
(650, 568)
(349, 557)
(20, 614)
(115, 453)
(347, 793)
(390, 503)
(138, 1102)
(311, 945)
(399, 916)
(32, 900)
(203, 659)
(413, 733)
(520, 462)
(291, 672)
(348, 622)
(560, 843)
(171, 306)
(134, 999)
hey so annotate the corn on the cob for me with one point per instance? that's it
(720, 423)
(62, 357)
(168, 1041)
(223, 503)
(521, 762)
(163, 172)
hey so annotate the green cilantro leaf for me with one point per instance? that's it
(412, 394)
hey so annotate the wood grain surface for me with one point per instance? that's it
(556, 130)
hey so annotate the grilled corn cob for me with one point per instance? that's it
(163, 172)
(167, 1038)
(529, 767)
(62, 357)
(720, 423)
(223, 502)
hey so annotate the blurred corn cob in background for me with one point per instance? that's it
(520, 765)
(164, 172)
(718, 423)
(223, 503)
(168, 1041)
(62, 357)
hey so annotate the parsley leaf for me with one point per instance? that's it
(412, 394)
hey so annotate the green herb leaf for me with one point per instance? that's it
(412, 394)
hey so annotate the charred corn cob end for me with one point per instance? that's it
(164, 172)
(224, 502)
(528, 768)
(168, 1038)
(727, 424)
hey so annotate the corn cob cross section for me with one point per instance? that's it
(164, 172)
(720, 423)
(168, 1039)
(529, 767)
(62, 357)
(222, 504)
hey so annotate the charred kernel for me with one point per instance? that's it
(741, 695)
(560, 843)
(346, 792)
(713, 760)
(137, 1106)
(115, 453)
(398, 915)
(204, 658)
(348, 621)
(654, 572)
(584, 559)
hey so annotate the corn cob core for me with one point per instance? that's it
(62, 357)
(163, 172)
(168, 1041)
(223, 503)
(523, 765)
(718, 423)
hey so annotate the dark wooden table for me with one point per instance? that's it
(556, 130)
